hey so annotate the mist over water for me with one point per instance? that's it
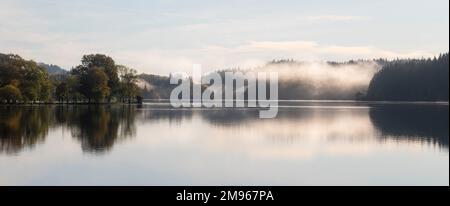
(322, 80)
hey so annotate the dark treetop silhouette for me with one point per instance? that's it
(411, 80)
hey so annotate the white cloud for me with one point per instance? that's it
(335, 18)
(252, 54)
(177, 44)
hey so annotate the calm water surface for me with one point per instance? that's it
(309, 143)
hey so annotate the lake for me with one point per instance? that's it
(308, 143)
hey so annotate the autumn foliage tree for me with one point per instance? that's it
(96, 80)
(101, 79)
(27, 77)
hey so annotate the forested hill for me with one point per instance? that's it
(157, 87)
(412, 80)
(53, 69)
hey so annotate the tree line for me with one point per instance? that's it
(98, 79)
(397, 80)
(411, 80)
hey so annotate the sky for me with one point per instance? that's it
(163, 36)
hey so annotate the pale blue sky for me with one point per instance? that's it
(166, 36)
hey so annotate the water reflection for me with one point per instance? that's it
(23, 127)
(426, 123)
(99, 128)
(174, 116)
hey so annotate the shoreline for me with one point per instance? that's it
(149, 101)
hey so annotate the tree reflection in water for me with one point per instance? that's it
(23, 127)
(425, 123)
(98, 128)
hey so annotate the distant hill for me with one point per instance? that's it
(155, 86)
(297, 80)
(379, 80)
(53, 69)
